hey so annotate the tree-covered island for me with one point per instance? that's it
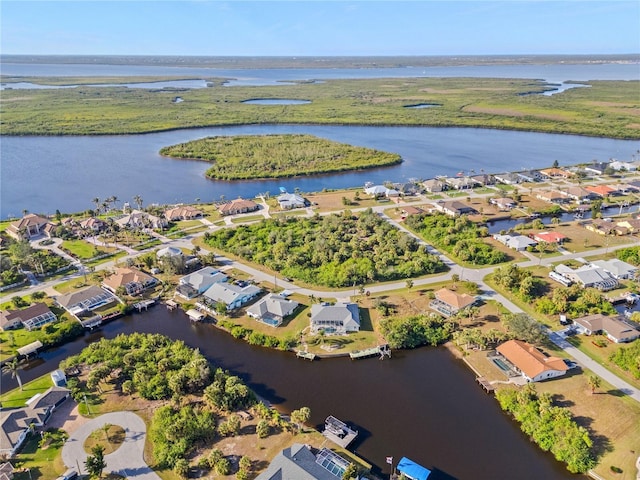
(275, 156)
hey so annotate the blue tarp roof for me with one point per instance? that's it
(412, 470)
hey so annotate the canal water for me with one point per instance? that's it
(423, 404)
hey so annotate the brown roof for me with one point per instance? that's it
(614, 326)
(602, 190)
(528, 359)
(556, 172)
(183, 211)
(549, 195)
(25, 314)
(412, 210)
(29, 220)
(123, 276)
(91, 222)
(238, 204)
(453, 299)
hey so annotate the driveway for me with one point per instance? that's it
(127, 461)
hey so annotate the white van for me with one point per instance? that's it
(70, 474)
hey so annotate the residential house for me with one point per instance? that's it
(483, 179)
(287, 201)
(461, 183)
(30, 226)
(550, 237)
(517, 242)
(589, 276)
(272, 309)
(198, 282)
(626, 166)
(605, 227)
(448, 303)
(235, 207)
(406, 189)
(597, 168)
(632, 224)
(182, 212)
(503, 203)
(233, 296)
(603, 191)
(530, 176)
(578, 194)
(339, 319)
(169, 252)
(454, 208)
(141, 220)
(92, 224)
(378, 191)
(409, 210)
(552, 196)
(82, 302)
(6, 471)
(553, 173)
(615, 328)
(299, 462)
(508, 178)
(434, 185)
(619, 269)
(15, 423)
(31, 317)
(132, 280)
(530, 362)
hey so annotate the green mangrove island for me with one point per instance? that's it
(605, 109)
(275, 156)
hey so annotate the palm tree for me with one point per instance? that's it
(12, 367)
(96, 201)
(594, 382)
(138, 201)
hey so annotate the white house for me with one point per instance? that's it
(338, 319)
(617, 268)
(198, 282)
(615, 328)
(518, 242)
(530, 362)
(233, 296)
(288, 201)
(272, 309)
(589, 276)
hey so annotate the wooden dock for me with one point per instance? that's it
(484, 383)
(171, 304)
(305, 355)
(144, 305)
(382, 350)
(338, 432)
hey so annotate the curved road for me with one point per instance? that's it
(128, 460)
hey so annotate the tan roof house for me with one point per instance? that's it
(234, 207)
(532, 364)
(551, 196)
(30, 226)
(615, 328)
(448, 302)
(132, 280)
(556, 173)
(633, 224)
(182, 212)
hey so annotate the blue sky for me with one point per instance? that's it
(289, 28)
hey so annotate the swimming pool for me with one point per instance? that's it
(501, 365)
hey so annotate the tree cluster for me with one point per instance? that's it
(417, 330)
(575, 301)
(630, 255)
(523, 327)
(628, 358)
(457, 236)
(228, 393)
(257, 338)
(518, 281)
(550, 426)
(336, 250)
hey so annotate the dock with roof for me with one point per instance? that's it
(338, 432)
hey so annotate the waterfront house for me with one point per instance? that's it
(434, 185)
(272, 309)
(182, 212)
(448, 303)
(299, 462)
(339, 319)
(287, 201)
(232, 296)
(30, 226)
(503, 203)
(517, 242)
(132, 280)
(461, 183)
(589, 276)
(508, 178)
(615, 328)
(412, 470)
(16, 423)
(198, 282)
(92, 224)
(549, 237)
(530, 362)
(141, 220)
(602, 191)
(604, 227)
(578, 194)
(625, 166)
(85, 300)
(619, 269)
(597, 168)
(235, 207)
(483, 179)
(552, 196)
(530, 176)
(406, 189)
(454, 208)
(632, 224)
(31, 317)
(552, 173)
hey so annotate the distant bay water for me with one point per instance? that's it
(42, 174)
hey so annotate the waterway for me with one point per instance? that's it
(423, 404)
(42, 174)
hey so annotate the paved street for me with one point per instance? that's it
(128, 460)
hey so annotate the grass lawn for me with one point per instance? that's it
(111, 440)
(43, 463)
(332, 201)
(247, 218)
(17, 398)
(84, 250)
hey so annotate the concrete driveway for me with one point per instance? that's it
(127, 461)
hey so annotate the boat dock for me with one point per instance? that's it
(305, 355)
(338, 432)
(171, 304)
(382, 350)
(144, 305)
(484, 383)
(195, 315)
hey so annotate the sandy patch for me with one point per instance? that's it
(66, 417)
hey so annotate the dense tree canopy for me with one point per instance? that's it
(417, 330)
(336, 250)
(458, 236)
(274, 156)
